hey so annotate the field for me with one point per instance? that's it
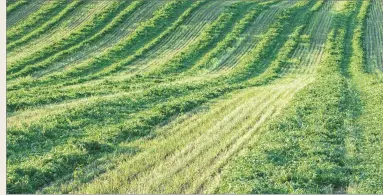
(184, 96)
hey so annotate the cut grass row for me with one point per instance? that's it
(99, 89)
(368, 163)
(310, 49)
(181, 19)
(171, 77)
(117, 66)
(304, 151)
(152, 92)
(96, 28)
(55, 139)
(15, 5)
(202, 149)
(18, 15)
(171, 143)
(142, 35)
(54, 97)
(178, 41)
(167, 144)
(374, 37)
(151, 44)
(165, 186)
(250, 38)
(35, 19)
(271, 39)
(123, 25)
(78, 17)
(336, 100)
(145, 49)
(120, 65)
(208, 40)
(138, 127)
(51, 97)
(232, 37)
(18, 37)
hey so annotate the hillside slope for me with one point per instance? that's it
(187, 96)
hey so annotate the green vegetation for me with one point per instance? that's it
(369, 84)
(93, 26)
(188, 96)
(19, 36)
(16, 5)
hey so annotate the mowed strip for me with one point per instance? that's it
(374, 37)
(71, 20)
(181, 38)
(59, 49)
(34, 21)
(284, 159)
(84, 88)
(187, 168)
(114, 134)
(365, 138)
(29, 134)
(21, 14)
(166, 185)
(133, 42)
(124, 24)
(178, 173)
(77, 156)
(122, 85)
(248, 40)
(311, 47)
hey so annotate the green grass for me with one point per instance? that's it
(194, 97)
(20, 38)
(369, 84)
(308, 148)
(37, 18)
(15, 5)
(93, 26)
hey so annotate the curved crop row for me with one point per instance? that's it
(177, 41)
(96, 188)
(146, 48)
(187, 96)
(36, 32)
(160, 111)
(374, 37)
(254, 61)
(35, 19)
(69, 23)
(311, 46)
(28, 65)
(54, 97)
(368, 137)
(275, 68)
(249, 39)
(304, 150)
(18, 15)
(16, 5)
(120, 27)
(24, 178)
(126, 47)
(142, 51)
(17, 104)
(230, 39)
(213, 34)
